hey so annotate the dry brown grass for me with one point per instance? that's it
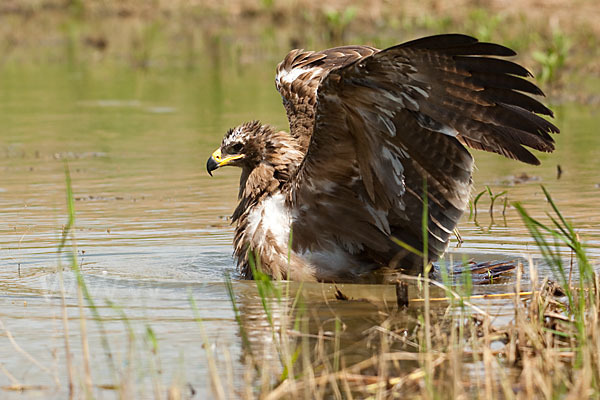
(536, 354)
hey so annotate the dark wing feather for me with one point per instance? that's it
(394, 119)
(298, 77)
(457, 44)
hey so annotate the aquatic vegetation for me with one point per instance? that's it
(493, 198)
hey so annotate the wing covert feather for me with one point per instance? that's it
(298, 78)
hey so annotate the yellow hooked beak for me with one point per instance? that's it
(216, 160)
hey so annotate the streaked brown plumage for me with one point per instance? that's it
(368, 128)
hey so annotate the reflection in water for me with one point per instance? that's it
(333, 332)
(312, 329)
(153, 230)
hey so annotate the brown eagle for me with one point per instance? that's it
(372, 134)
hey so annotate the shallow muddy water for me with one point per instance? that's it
(152, 227)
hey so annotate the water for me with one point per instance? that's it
(152, 229)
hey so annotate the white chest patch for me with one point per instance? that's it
(273, 218)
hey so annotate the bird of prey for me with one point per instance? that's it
(373, 134)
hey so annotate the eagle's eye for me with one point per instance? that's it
(236, 148)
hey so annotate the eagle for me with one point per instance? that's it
(374, 136)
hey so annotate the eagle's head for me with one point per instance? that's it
(242, 147)
(251, 144)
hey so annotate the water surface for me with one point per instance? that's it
(152, 227)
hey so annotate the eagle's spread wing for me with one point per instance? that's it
(298, 77)
(389, 121)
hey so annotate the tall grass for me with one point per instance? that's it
(82, 293)
(549, 239)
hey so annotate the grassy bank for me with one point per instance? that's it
(560, 44)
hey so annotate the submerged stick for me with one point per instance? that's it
(447, 289)
(479, 296)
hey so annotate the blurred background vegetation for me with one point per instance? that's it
(555, 39)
